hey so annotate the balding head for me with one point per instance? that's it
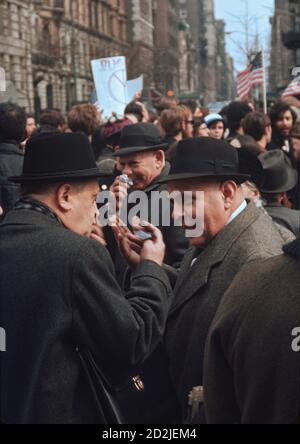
(74, 202)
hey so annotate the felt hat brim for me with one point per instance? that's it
(93, 173)
(138, 149)
(238, 178)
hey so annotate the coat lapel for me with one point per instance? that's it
(192, 278)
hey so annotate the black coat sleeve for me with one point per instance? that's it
(120, 329)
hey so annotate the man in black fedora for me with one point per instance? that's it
(280, 178)
(59, 293)
(235, 233)
(141, 156)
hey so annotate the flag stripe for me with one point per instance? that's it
(252, 76)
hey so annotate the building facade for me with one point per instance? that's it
(47, 45)
(285, 44)
(211, 59)
(141, 41)
(166, 60)
(15, 51)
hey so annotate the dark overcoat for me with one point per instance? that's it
(11, 164)
(174, 237)
(285, 217)
(201, 286)
(58, 290)
(251, 371)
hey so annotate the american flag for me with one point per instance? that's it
(252, 76)
(293, 89)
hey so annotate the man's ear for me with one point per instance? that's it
(160, 158)
(229, 189)
(63, 195)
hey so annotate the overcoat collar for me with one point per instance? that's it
(193, 278)
(28, 217)
(10, 147)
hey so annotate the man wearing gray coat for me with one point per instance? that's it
(235, 233)
(59, 293)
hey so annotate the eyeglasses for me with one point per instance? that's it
(192, 122)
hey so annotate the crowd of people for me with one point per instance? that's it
(177, 329)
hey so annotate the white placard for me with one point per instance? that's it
(110, 77)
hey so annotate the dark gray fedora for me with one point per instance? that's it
(205, 157)
(279, 175)
(138, 138)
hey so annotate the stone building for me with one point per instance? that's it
(211, 59)
(15, 51)
(70, 34)
(166, 61)
(141, 41)
(285, 44)
(188, 61)
(46, 47)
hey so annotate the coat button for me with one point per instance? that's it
(138, 383)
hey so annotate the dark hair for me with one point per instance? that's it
(235, 114)
(271, 198)
(83, 118)
(254, 124)
(171, 120)
(165, 103)
(51, 117)
(135, 109)
(30, 116)
(191, 104)
(12, 122)
(279, 108)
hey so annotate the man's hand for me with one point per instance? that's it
(98, 235)
(120, 190)
(153, 249)
(134, 249)
(130, 245)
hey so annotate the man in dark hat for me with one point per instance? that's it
(280, 178)
(141, 157)
(59, 290)
(235, 233)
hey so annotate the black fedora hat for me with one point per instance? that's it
(56, 157)
(140, 137)
(279, 175)
(204, 157)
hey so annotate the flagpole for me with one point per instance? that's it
(264, 84)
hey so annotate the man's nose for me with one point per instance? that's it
(127, 170)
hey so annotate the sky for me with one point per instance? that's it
(233, 12)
